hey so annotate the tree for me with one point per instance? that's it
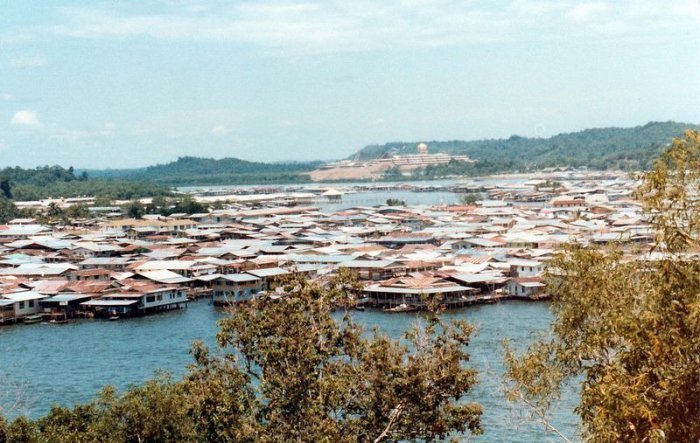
(54, 210)
(393, 173)
(134, 209)
(395, 202)
(22, 430)
(189, 206)
(629, 326)
(548, 184)
(469, 198)
(102, 201)
(5, 188)
(154, 412)
(320, 378)
(8, 210)
(54, 213)
(77, 211)
(158, 204)
(291, 370)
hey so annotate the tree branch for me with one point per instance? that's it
(393, 418)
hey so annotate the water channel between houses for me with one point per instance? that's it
(67, 364)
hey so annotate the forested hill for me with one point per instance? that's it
(55, 181)
(600, 148)
(195, 170)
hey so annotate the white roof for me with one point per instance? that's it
(39, 269)
(23, 296)
(164, 276)
(531, 284)
(157, 265)
(527, 263)
(109, 302)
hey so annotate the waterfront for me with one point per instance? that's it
(496, 248)
(67, 364)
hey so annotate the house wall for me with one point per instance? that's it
(27, 307)
(163, 298)
(228, 291)
(526, 271)
(522, 291)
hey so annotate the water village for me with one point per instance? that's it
(483, 251)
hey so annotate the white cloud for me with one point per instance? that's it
(587, 12)
(332, 26)
(15, 38)
(220, 130)
(32, 61)
(108, 129)
(25, 118)
(63, 135)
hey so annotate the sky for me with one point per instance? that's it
(115, 84)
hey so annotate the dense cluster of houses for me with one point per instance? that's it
(483, 252)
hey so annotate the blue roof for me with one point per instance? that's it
(66, 297)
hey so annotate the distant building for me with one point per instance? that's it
(404, 162)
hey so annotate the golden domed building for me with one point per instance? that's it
(422, 149)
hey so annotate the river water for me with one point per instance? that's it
(68, 364)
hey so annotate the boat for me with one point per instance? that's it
(58, 319)
(403, 307)
(30, 319)
(114, 318)
(359, 308)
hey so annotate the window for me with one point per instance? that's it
(31, 303)
(150, 299)
(21, 305)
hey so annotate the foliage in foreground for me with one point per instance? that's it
(629, 328)
(289, 370)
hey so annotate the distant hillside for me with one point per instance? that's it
(601, 148)
(195, 171)
(55, 181)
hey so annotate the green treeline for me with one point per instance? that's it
(22, 184)
(602, 148)
(106, 189)
(599, 148)
(207, 171)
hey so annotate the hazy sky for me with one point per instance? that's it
(131, 83)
